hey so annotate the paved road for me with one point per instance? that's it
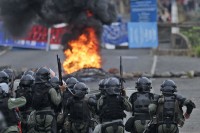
(133, 60)
(35, 58)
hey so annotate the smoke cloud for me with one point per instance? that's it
(20, 15)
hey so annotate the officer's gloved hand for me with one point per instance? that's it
(187, 116)
(123, 92)
(63, 87)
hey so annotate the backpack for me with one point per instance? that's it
(142, 102)
(79, 110)
(112, 108)
(168, 110)
(41, 98)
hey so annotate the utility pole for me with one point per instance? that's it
(121, 7)
(174, 16)
(174, 19)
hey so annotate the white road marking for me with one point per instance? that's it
(153, 68)
(3, 52)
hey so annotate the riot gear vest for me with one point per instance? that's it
(142, 102)
(10, 115)
(112, 108)
(79, 111)
(41, 97)
(27, 93)
(168, 109)
(66, 96)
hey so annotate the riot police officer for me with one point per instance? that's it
(67, 94)
(8, 108)
(111, 107)
(45, 97)
(166, 112)
(70, 82)
(25, 89)
(11, 75)
(140, 101)
(54, 81)
(101, 88)
(3, 125)
(79, 113)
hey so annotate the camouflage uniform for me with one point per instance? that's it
(12, 104)
(44, 118)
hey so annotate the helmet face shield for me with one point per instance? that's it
(70, 86)
(113, 91)
(112, 86)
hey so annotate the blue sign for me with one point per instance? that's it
(143, 10)
(143, 35)
(1, 33)
(6, 41)
(24, 44)
(115, 34)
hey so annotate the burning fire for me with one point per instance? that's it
(84, 52)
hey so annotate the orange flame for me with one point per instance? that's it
(84, 53)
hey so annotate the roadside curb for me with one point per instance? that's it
(184, 74)
(93, 73)
(174, 52)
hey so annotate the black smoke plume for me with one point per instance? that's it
(20, 15)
